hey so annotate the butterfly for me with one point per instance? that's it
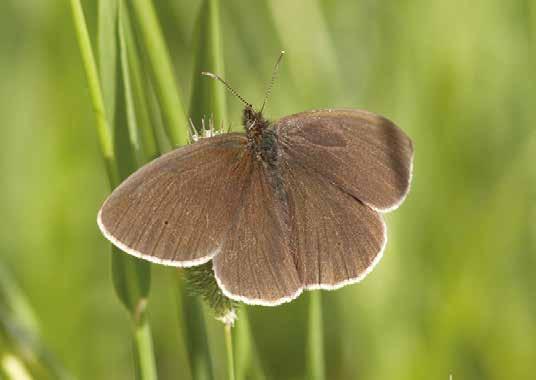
(286, 206)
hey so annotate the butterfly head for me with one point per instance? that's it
(253, 120)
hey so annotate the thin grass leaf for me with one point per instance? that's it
(182, 354)
(12, 368)
(130, 106)
(175, 121)
(139, 88)
(103, 127)
(230, 352)
(315, 345)
(248, 365)
(196, 332)
(131, 277)
(208, 102)
(107, 54)
(208, 98)
(219, 354)
(21, 345)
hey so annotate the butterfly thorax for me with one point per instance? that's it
(262, 139)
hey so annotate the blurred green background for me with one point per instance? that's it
(455, 292)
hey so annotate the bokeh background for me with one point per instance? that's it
(455, 292)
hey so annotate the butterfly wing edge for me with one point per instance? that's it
(153, 259)
(260, 302)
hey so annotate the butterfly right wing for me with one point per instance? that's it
(364, 154)
(336, 239)
(161, 212)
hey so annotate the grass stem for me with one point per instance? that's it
(131, 278)
(144, 348)
(88, 59)
(175, 120)
(316, 363)
(229, 348)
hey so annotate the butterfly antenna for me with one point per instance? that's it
(274, 75)
(231, 90)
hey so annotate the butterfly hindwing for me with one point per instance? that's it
(336, 238)
(256, 265)
(178, 209)
(364, 154)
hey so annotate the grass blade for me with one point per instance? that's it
(175, 121)
(138, 87)
(229, 349)
(248, 365)
(316, 363)
(130, 108)
(103, 128)
(107, 54)
(131, 277)
(208, 96)
(182, 352)
(145, 355)
(208, 102)
(22, 351)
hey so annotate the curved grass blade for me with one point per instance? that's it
(208, 98)
(131, 277)
(248, 365)
(175, 121)
(22, 351)
(315, 345)
(107, 54)
(136, 90)
(103, 127)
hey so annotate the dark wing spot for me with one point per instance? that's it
(319, 134)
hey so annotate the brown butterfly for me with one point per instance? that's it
(288, 205)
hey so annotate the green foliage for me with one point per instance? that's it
(208, 96)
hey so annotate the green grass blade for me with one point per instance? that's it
(197, 337)
(182, 351)
(229, 351)
(131, 277)
(139, 88)
(315, 345)
(107, 54)
(21, 344)
(248, 365)
(145, 354)
(88, 60)
(130, 106)
(208, 96)
(13, 368)
(208, 101)
(175, 121)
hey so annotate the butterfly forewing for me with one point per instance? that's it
(178, 209)
(364, 154)
(256, 265)
(336, 238)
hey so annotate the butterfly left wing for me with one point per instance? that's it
(256, 265)
(177, 210)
